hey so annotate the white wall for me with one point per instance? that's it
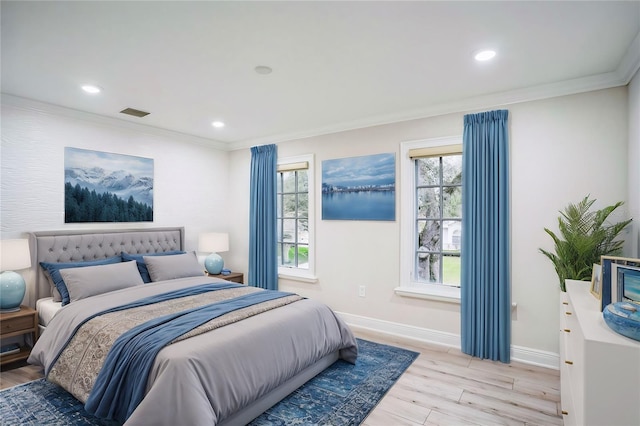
(633, 239)
(190, 180)
(561, 149)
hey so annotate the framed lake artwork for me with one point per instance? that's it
(359, 188)
(616, 272)
(106, 187)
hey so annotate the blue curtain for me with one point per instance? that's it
(485, 289)
(263, 260)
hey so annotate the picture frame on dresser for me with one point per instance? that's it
(609, 294)
(596, 281)
(625, 283)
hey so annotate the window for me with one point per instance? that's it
(295, 218)
(438, 218)
(431, 225)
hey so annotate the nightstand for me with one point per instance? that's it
(18, 323)
(236, 277)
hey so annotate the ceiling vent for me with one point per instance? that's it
(134, 112)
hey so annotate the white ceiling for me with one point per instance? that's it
(336, 65)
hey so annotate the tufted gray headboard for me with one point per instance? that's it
(79, 245)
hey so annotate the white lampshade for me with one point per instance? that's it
(213, 242)
(14, 255)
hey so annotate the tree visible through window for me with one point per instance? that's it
(438, 218)
(293, 219)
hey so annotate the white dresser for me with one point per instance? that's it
(599, 368)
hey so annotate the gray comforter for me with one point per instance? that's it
(206, 378)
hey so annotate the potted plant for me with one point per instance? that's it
(584, 237)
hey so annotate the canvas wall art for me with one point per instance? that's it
(106, 187)
(359, 188)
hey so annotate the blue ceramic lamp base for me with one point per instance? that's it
(214, 263)
(12, 289)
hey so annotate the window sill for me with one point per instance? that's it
(296, 276)
(440, 293)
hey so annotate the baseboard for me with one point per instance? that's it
(535, 357)
(518, 353)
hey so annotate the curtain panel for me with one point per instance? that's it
(263, 260)
(486, 287)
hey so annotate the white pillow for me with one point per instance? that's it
(171, 267)
(93, 280)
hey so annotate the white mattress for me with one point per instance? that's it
(47, 308)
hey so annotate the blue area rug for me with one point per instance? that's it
(343, 394)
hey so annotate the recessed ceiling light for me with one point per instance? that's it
(262, 69)
(217, 124)
(90, 88)
(485, 55)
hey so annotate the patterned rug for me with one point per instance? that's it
(343, 394)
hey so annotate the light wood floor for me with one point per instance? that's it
(443, 387)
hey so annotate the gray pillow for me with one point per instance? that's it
(52, 272)
(170, 267)
(93, 280)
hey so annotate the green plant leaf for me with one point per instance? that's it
(584, 236)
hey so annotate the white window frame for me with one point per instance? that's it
(292, 273)
(408, 286)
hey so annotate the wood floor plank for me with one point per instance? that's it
(466, 373)
(18, 376)
(404, 409)
(446, 358)
(455, 408)
(415, 381)
(411, 344)
(517, 369)
(508, 395)
(508, 409)
(437, 418)
(385, 418)
(530, 387)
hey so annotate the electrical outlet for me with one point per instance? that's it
(362, 291)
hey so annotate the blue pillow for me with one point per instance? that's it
(142, 268)
(53, 269)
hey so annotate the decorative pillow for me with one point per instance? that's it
(142, 268)
(169, 267)
(93, 280)
(55, 294)
(52, 271)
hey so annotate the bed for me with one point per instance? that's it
(228, 370)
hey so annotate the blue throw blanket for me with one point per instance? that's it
(121, 383)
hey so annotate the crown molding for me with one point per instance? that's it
(630, 63)
(47, 108)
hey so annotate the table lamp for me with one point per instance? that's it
(214, 242)
(14, 255)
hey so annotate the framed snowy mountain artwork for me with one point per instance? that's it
(105, 187)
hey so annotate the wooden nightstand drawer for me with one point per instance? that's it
(16, 324)
(236, 277)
